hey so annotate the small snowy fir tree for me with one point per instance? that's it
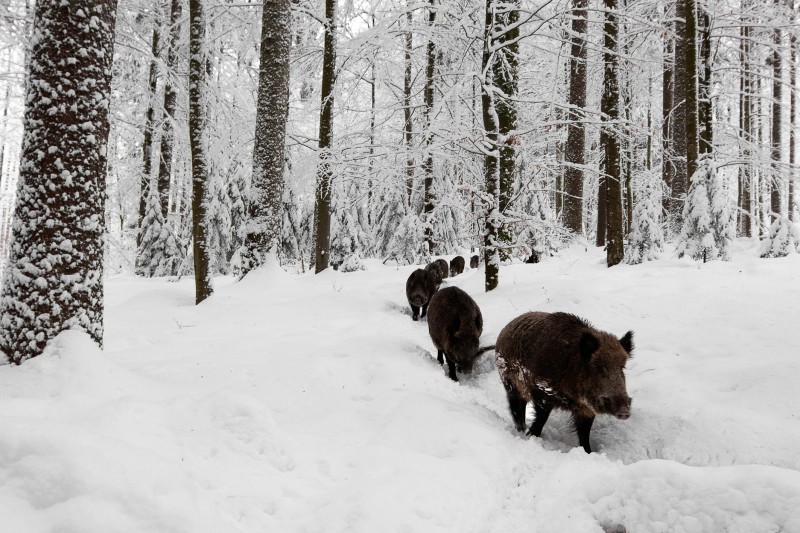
(697, 238)
(352, 263)
(723, 218)
(408, 244)
(646, 241)
(388, 216)
(783, 239)
(539, 236)
(159, 253)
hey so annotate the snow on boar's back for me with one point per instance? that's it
(455, 324)
(420, 286)
(456, 265)
(559, 360)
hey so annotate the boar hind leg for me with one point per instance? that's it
(516, 405)
(451, 368)
(583, 425)
(541, 408)
(440, 357)
(414, 312)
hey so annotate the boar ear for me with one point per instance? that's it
(627, 342)
(589, 345)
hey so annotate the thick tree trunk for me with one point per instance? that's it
(322, 211)
(745, 125)
(506, 73)
(198, 141)
(54, 280)
(491, 162)
(147, 143)
(427, 164)
(170, 103)
(265, 205)
(609, 137)
(678, 122)
(575, 151)
(793, 88)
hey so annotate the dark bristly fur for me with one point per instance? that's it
(444, 267)
(473, 261)
(456, 265)
(559, 360)
(436, 272)
(455, 324)
(420, 286)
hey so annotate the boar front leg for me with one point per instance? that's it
(583, 425)
(451, 367)
(414, 312)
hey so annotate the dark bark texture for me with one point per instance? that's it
(609, 138)
(427, 164)
(54, 277)
(491, 161)
(265, 206)
(170, 103)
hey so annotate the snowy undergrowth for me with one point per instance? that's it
(313, 403)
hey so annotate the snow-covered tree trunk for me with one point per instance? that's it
(681, 82)
(491, 163)
(575, 150)
(793, 88)
(199, 148)
(408, 124)
(427, 163)
(705, 115)
(147, 141)
(667, 102)
(263, 227)
(322, 210)
(609, 137)
(690, 71)
(54, 277)
(170, 103)
(746, 130)
(776, 143)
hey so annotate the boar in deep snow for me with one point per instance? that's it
(420, 286)
(559, 360)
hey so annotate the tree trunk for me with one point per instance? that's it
(678, 122)
(777, 123)
(322, 211)
(705, 114)
(198, 142)
(746, 135)
(690, 63)
(506, 72)
(667, 136)
(265, 205)
(147, 143)
(575, 152)
(55, 273)
(491, 164)
(170, 103)
(793, 88)
(408, 125)
(427, 164)
(609, 138)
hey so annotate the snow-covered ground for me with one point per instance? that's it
(301, 403)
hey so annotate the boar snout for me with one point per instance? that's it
(619, 406)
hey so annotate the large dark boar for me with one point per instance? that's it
(455, 324)
(473, 261)
(443, 267)
(420, 286)
(436, 272)
(560, 360)
(456, 265)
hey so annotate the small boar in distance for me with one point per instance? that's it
(443, 266)
(559, 360)
(473, 261)
(455, 324)
(420, 286)
(456, 265)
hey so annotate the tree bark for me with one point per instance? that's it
(690, 63)
(147, 143)
(746, 135)
(793, 88)
(491, 162)
(777, 123)
(609, 137)
(408, 125)
(322, 211)
(199, 149)
(55, 273)
(427, 164)
(575, 152)
(170, 104)
(265, 205)
(667, 105)
(704, 110)
(678, 123)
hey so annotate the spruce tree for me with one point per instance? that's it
(54, 276)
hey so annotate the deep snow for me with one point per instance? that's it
(301, 403)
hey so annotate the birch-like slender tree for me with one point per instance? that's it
(54, 278)
(265, 206)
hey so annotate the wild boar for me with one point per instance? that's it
(420, 286)
(473, 261)
(443, 267)
(455, 324)
(456, 265)
(559, 360)
(436, 272)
